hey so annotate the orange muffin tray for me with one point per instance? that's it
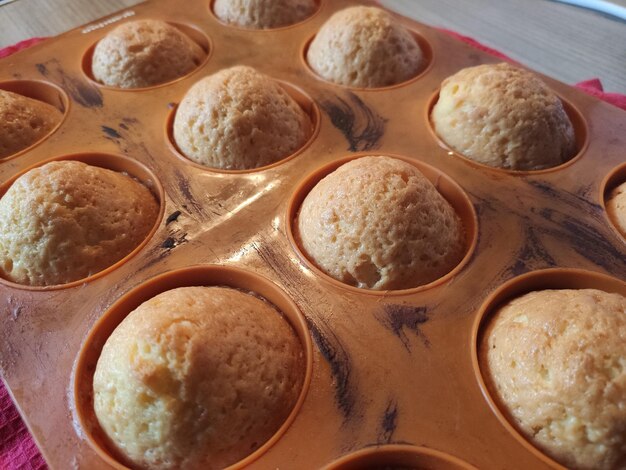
(393, 377)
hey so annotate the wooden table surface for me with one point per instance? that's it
(565, 42)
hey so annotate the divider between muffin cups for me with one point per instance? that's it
(113, 162)
(581, 135)
(306, 103)
(198, 275)
(428, 59)
(445, 185)
(40, 90)
(544, 279)
(398, 456)
(194, 33)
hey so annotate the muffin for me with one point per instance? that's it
(378, 223)
(263, 14)
(143, 53)
(239, 119)
(66, 220)
(616, 208)
(557, 361)
(505, 117)
(24, 121)
(364, 47)
(197, 377)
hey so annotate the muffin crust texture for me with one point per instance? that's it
(197, 377)
(376, 222)
(557, 361)
(502, 116)
(67, 220)
(24, 121)
(263, 14)
(238, 119)
(144, 53)
(364, 47)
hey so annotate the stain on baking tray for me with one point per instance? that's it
(188, 199)
(578, 231)
(330, 346)
(172, 242)
(340, 366)
(585, 240)
(111, 133)
(361, 126)
(564, 196)
(388, 423)
(173, 217)
(398, 318)
(533, 255)
(82, 92)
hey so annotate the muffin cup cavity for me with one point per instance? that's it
(554, 278)
(195, 34)
(614, 179)
(319, 5)
(40, 91)
(116, 163)
(208, 275)
(579, 124)
(448, 188)
(398, 456)
(428, 60)
(304, 101)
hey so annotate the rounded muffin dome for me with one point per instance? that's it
(24, 121)
(378, 223)
(66, 220)
(503, 116)
(555, 358)
(239, 119)
(144, 53)
(197, 377)
(364, 47)
(263, 14)
(616, 208)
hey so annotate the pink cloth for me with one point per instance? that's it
(7, 51)
(17, 448)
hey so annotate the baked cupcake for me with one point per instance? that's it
(616, 208)
(556, 360)
(364, 47)
(197, 377)
(502, 116)
(263, 14)
(144, 53)
(239, 119)
(66, 220)
(24, 121)
(378, 223)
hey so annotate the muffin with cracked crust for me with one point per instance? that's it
(239, 119)
(616, 208)
(67, 220)
(24, 121)
(557, 361)
(364, 47)
(263, 14)
(378, 223)
(197, 377)
(502, 116)
(144, 53)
